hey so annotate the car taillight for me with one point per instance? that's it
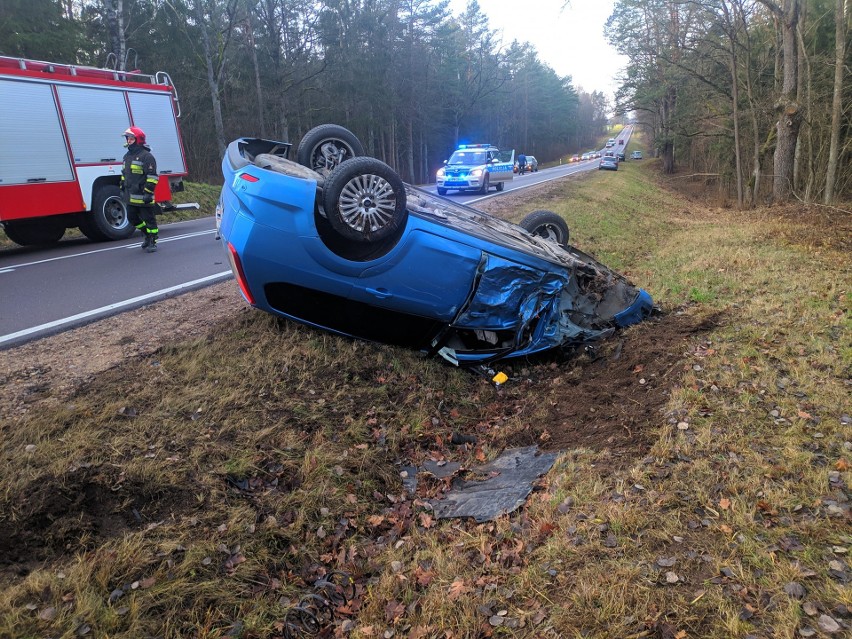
(237, 268)
(248, 177)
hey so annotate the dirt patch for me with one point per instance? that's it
(51, 369)
(55, 516)
(611, 398)
(815, 227)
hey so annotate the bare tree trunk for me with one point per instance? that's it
(789, 111)
(260, 103)
(805, 78)
(409, 155)
(667, 150)
(212, 82)
(837, 102)
(735, 100)
(115, 25)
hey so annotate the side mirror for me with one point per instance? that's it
(445, 161)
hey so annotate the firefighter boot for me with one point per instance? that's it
(147, 241)
(151, 239)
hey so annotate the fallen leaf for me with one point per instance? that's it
(842, 464)
(724, 503)
(457, 589)
(233, 561)
(394, 610)
(765, 507)
(376, 520)
(726, 529)
(426, 520)
(48, 614)
(423, 576)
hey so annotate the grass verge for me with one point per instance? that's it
(702, 490)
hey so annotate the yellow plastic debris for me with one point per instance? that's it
(500, 378)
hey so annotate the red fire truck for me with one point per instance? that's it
(61, 147)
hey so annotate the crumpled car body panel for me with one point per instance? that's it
(455, 282)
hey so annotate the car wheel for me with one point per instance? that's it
(326, 146)
(27, 233)
(364, 200)
(500, 185)
(108, 218)
(486, 183)
(548, 225)
(442, 191)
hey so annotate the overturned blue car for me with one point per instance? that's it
(337, 241)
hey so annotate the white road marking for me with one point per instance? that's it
(134, 245)
(111, 307)
(523, 186)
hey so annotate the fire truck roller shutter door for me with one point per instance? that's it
(32, 147)
(92, 116)
(153, 113)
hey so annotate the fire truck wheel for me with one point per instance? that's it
(327, 145)
(108, 218)
(28, 233)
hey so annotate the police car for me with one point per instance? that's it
(476, 167)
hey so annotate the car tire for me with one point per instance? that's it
(108, 218)
(326, 146)
(486, 184)
(442, 191)
(364, 200)
(500, 186)
(548, 225)
(33, 233)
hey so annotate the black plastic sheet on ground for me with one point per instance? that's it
(510, 481)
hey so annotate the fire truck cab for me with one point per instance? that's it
(61, 147)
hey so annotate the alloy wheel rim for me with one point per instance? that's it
(367, 203)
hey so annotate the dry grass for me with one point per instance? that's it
(204, 488)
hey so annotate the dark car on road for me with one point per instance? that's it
(620, 156)
(337, 241)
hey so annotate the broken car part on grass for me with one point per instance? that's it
(505, 484)
(338, 242)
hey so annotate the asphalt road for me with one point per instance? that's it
(48, 290)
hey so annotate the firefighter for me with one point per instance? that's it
(138, 181)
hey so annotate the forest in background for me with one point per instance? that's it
(747, 95)
(410, 79)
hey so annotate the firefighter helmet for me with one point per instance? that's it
(135, 132)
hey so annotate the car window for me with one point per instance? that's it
(467, 157)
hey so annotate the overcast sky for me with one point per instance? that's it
(571, 41)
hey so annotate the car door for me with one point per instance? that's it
(428, 276)
(501, 170)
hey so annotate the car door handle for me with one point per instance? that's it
(381, 293)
